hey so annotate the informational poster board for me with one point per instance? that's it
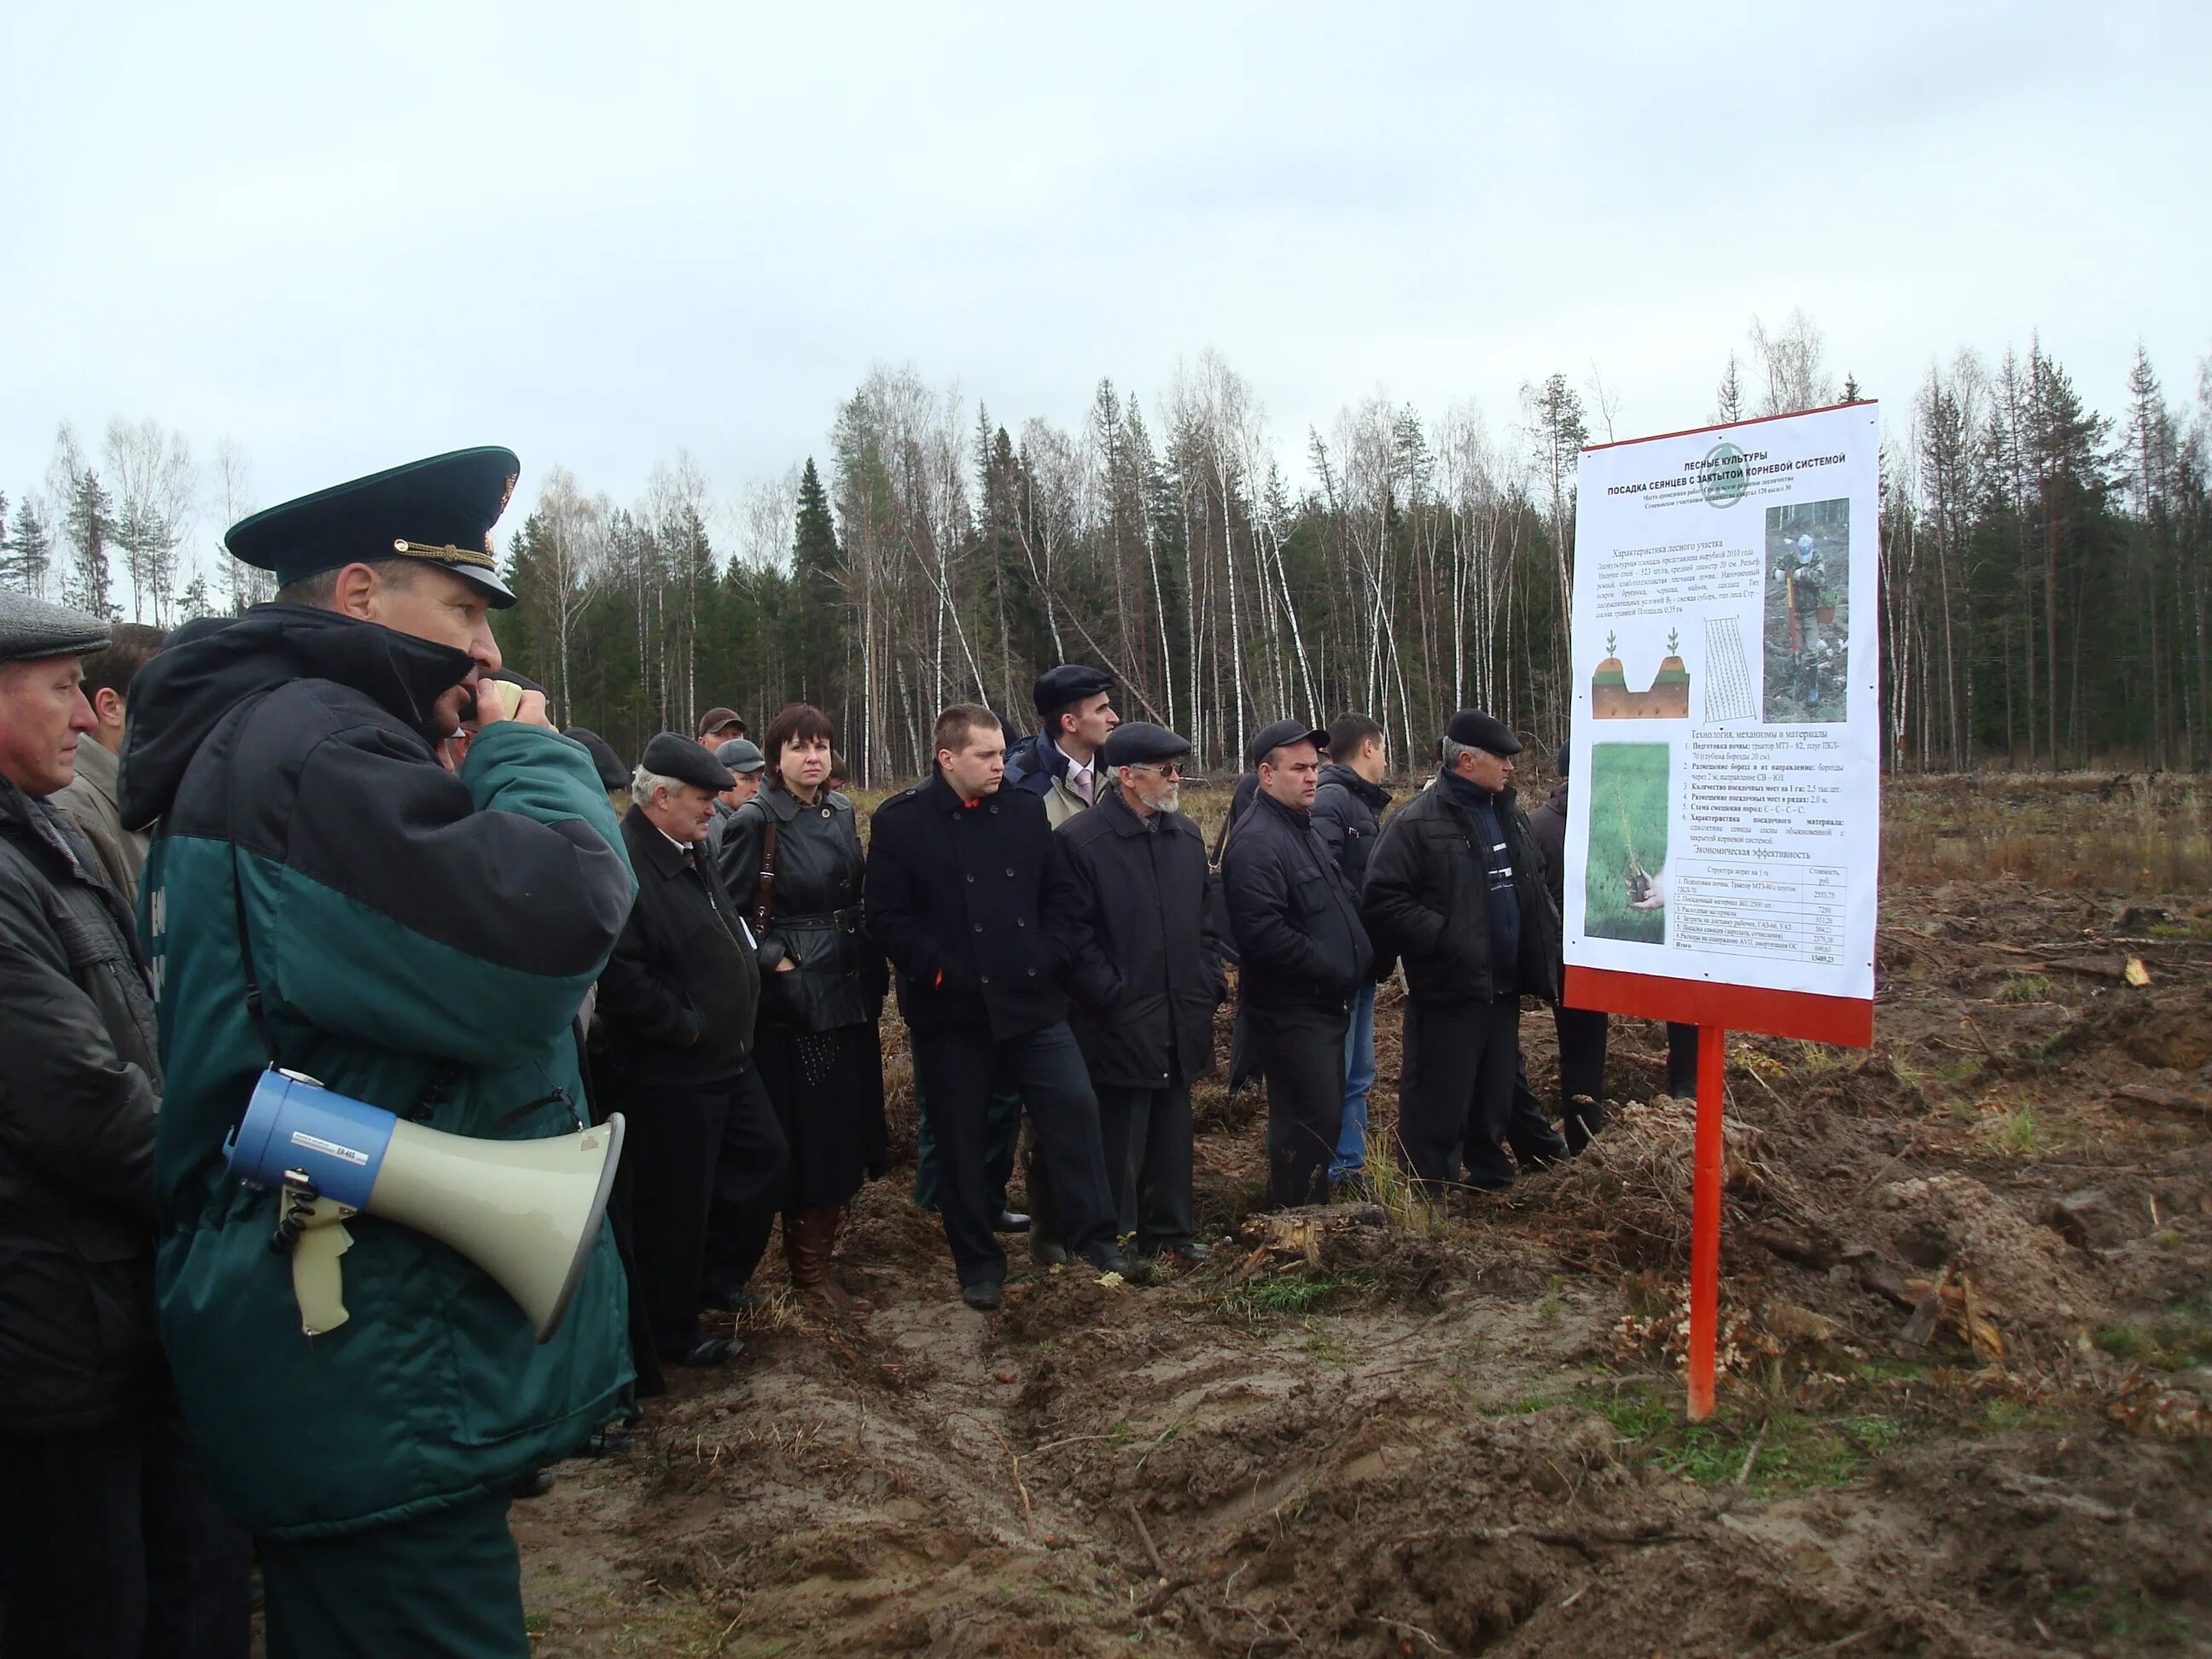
(1723, 827)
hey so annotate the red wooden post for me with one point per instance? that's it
(1706, 1220)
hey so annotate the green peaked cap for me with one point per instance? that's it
(439, 511)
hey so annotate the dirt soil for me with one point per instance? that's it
(1967, 1309)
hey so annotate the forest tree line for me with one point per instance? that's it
(2046, 572)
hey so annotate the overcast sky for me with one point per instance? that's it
(346, 236)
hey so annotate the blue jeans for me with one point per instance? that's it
(1358, 1079)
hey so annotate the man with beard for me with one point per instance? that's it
(1146, 972)
(325, 895)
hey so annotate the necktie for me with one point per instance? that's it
(1082, 777)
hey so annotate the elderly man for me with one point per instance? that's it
(1144, 971)
(1457, 889)
(677, 1004)
(718, 726)
(327, 894)
(961, 875)
(745, 763)
(109, 1545)
(1303, 954)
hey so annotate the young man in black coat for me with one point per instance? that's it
(1145, 969)
(961, 877)
(676, 1002)
(1303, 956)
(1347, 815)
(1457, 889)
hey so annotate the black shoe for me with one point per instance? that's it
(536, 1484)
(1011, 1221)
(1109, 1259)
(1189, 1254)
(610, 1441)
(983, 1298)
(707, 1351)
(1047, 1251)
(734, 1298)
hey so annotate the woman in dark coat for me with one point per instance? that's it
(823, 987)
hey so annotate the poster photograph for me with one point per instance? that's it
(1723, 811)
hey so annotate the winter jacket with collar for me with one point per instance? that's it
(815, 916)
(1037, 766)
(956, 896)
(421, 939)
(1299, 936)
(79, 1089)
(679, 999)
(1427, 897)
(1347, 816)
(1145, 968)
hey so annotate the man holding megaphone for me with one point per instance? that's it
(327, 896)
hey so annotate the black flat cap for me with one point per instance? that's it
(1135, 743)
(1479, 731)
(1072, 682)
(439, 511)
(1269, 739)
(31, 629)
(672, 756)
(741, 755)
(613, 774)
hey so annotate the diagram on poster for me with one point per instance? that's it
(1723, 801)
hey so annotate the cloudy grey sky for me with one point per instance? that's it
(344, 236)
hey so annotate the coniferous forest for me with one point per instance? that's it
(2046, 566)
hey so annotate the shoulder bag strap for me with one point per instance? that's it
(764, 883)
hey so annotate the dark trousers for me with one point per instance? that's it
(446, 1585)
(752, 1166)
(675, 1135)
(1455, 1091)
(1301, 1055)
(1582, 1033)
(113, 1549)
(1681, 1060)
(1147, 1133)
(1037, 1182)
(1003, 1136)
(957, 1071)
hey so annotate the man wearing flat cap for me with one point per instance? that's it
(1060, 764)
(743, 757)
(1303, 954)
(1145, 976)
(109, 1543)
(614, 776)
(330, 893)
(1455, 887)
(676, 1005)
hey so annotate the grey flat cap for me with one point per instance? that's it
(741, 755)
(30, 629)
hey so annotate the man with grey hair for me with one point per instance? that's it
(107, 1538)
(1456, 888)
(677, 1002)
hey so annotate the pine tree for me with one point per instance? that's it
(1728, 395)
(29, 550)
(815, 564)
(90, 525)
(1851, 394)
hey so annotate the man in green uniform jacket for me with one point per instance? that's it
(376, 868)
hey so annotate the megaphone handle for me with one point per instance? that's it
(316, 1285)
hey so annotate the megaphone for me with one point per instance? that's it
(527, 1212)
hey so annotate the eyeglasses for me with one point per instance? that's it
(1165, 769)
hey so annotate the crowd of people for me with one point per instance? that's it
(337, 834)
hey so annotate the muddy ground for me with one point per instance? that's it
(1968, 1310)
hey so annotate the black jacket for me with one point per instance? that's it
(1347, 816)
(814, 910)
(1143, 964)
(1299, 936)
(1427, 898)
(1548, 825)
(679, 999)
(79, 1088)
(957, 895)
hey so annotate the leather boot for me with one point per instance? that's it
(814, 1272)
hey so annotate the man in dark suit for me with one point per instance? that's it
(960, 875)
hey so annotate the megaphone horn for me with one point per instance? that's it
(527, 1212)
